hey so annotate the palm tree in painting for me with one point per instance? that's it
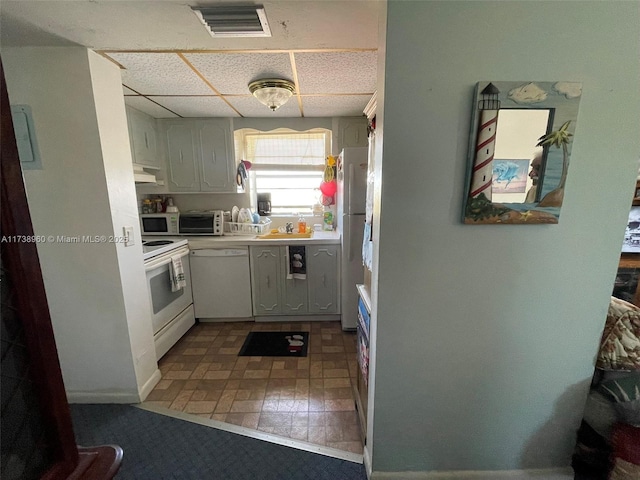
(559, 138)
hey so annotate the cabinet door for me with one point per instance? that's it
(215, 148)
(143, 138)
(352, 132)
(324, 283)
(265, 280)
(294, 290)
(182, 167)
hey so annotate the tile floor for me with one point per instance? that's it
(308, 399)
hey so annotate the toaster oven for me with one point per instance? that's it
(202, 223)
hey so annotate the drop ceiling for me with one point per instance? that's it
(172, 67)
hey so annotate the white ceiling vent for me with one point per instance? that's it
(234, 21)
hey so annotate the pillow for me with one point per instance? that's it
(620, 343)
(625, 395)
(624, 389)
(600, 413)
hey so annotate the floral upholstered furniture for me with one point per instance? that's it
(620, 343)
(613, 403)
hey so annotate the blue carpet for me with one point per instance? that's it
(159, 447)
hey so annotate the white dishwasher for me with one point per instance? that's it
(221, 283)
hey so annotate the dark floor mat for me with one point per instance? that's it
(275, 344)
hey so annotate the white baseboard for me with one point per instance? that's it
(145, 390)
(539, 474)
(297, 318)
(103, 397)
(366, 459)
(224, 320)
(116, 397)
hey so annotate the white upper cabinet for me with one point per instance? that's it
(182, 164)
(215, 143)
(200, 155)
(352, 132)
(142, 131)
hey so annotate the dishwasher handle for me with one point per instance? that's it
(221, 252)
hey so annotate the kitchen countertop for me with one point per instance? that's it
(199, 242)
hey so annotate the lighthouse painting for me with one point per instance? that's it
(489, 107)
(494, 143)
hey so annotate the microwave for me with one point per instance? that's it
(159, 223)
(202, 223)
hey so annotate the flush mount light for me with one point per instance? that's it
(272, 92)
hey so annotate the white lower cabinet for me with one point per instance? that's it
(275, 294)
(265, 280)
(324, 281)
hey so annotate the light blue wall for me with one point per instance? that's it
(486, 335)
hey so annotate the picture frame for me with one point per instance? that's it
(533, 120)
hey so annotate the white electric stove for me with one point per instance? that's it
(154, 246)
(172, 313)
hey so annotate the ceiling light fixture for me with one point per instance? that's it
(272, 92)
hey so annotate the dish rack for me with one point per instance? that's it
(235, 228)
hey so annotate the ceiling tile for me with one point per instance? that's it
(335, 106)
(148, 107)
(128, 91)
(159, 74)
(197, 106)
(337, 72)
(250, 107)
(230, 73)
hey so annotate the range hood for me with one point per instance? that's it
(141, 176)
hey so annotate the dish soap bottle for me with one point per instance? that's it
(302, 224)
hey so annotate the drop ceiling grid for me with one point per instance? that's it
(335, 106)
(327, 81)
(232, 73)
(250, 107)
(337, 72)
(147, 106)
(159, 74)
(203, 106)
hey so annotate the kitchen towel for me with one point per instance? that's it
(296, 262)
(176, 272)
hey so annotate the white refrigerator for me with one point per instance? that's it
(351, 178)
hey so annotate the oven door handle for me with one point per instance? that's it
(165, 259)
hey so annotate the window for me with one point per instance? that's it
(287, 164)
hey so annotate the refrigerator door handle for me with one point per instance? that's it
(351, 173)
(350, 253)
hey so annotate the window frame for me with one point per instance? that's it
(240, 139)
